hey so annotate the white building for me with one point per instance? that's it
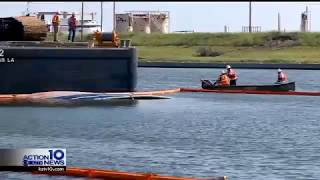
(305, 21)
(143, 21)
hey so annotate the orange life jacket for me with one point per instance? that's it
(224, 80)
(282, 77)
(232, 74)
(55, 20)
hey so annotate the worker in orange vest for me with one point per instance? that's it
(55, 24)
(232, 74)
(282, 77)
(223, 79)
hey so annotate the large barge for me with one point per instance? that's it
(31, 64)
(31, 69)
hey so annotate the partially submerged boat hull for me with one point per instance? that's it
(290, 86)
(75, 98)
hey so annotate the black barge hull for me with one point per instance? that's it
(37, 69)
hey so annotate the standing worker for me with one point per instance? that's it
(232, 74)
(282, 77)
(72, 22)
(55, 24)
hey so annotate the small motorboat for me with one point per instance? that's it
(290, 86)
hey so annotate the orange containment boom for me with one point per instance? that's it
(117, 175)
(158, 93)
(297, 93)
(57, 97)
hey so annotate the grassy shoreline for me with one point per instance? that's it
(291, 55)
(265, 47)
(296, 48)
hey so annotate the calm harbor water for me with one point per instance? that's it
(191, 134)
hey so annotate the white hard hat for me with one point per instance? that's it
(223, 71)
(228, 66)
(279, 70)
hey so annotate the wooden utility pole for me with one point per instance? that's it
(28, 8)
(279, 25)
(82, 21)
(309, 21)
(307, 24)
(114, 16)
(250, 29)
(101, 19)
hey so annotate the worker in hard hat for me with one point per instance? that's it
(232, 74)
(223, 79)
(72, 22)
(282, 77)
(55, 24)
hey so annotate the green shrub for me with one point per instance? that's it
(207, 51)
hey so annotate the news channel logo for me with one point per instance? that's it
(33, 157)
(45, 157)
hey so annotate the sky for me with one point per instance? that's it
(196, 16)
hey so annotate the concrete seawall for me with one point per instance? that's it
(235, 65)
